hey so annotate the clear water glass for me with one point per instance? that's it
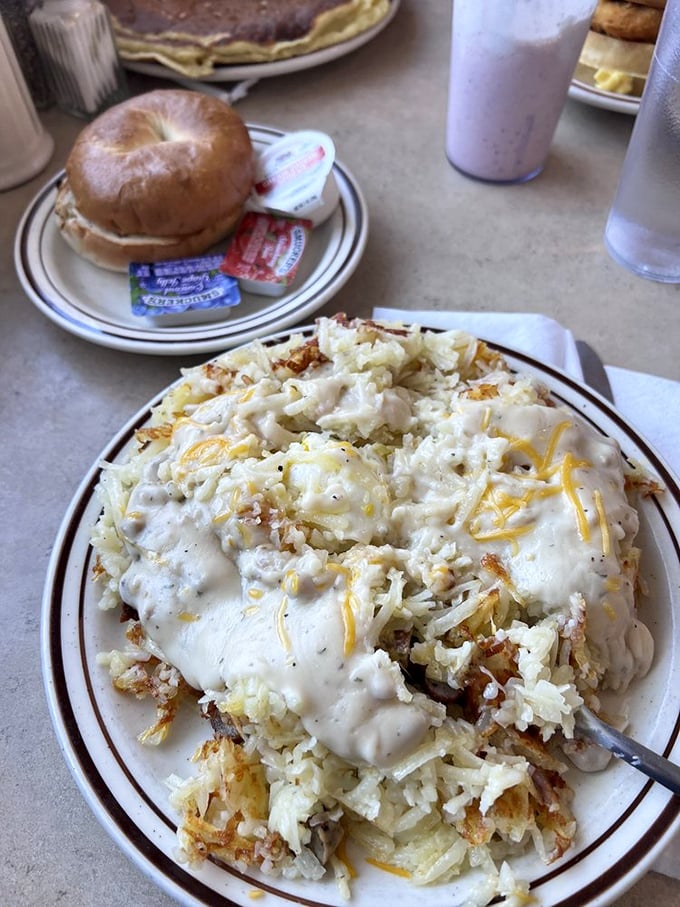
(643, 227)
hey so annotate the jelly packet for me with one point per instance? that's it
(182, 290)
(294, 177)
(265, 252)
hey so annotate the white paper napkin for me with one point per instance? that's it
(645, 400)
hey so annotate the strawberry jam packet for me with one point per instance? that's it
(265, 252)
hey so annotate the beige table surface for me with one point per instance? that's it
(437, 240)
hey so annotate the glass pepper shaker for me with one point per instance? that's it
(25, 146)
(76, 42)
(14, 14)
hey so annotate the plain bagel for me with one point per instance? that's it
(162, 175)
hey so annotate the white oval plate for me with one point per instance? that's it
(624, 819)
(95, 304)
(239, 71)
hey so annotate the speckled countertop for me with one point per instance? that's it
(437, 241)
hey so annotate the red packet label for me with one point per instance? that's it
(265, 252)
(291, 169)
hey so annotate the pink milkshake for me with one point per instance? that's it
(511, 65)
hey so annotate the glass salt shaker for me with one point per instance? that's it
(76, 42)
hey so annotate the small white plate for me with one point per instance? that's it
(588, 93)
(242, 71)
(624, 819)
(95, 304)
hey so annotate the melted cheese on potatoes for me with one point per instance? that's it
(313, 495)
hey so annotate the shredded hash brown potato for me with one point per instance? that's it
(387, 570)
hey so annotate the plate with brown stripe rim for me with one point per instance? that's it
(624, 819)
(94, 304)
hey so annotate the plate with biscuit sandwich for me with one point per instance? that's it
(615, 60)
(167, 179)
(236, 40)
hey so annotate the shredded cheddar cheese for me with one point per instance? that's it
(566, 470)
(348, 622)
(387, 867)
(207, 452)
(604, 526)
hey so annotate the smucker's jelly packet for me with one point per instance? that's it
(265, 252)
(294, 177)
(182, 290)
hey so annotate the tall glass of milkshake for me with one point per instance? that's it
(511, 65)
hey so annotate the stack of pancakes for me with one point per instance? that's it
(193, 36)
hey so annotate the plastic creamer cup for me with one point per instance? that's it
(182, 291)
(294, 177)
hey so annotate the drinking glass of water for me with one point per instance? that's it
(643, 227)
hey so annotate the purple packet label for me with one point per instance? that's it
(184, 285)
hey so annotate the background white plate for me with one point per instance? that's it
(95, 304)
(624, 819)
(238, 71)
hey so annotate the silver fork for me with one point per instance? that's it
(590, 727)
